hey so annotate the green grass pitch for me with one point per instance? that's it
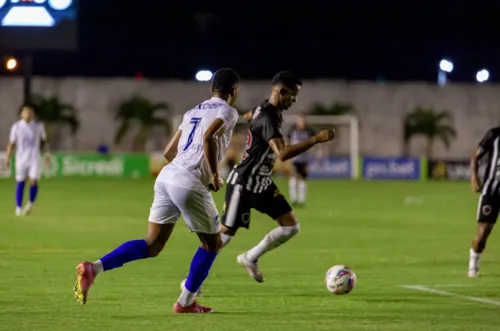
(390, 233)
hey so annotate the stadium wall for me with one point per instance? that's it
(381, 108)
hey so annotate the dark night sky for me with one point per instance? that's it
(349, 39)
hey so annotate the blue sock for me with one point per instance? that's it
(200, 266)
(33, 192)
(127, 252)
(19, 194)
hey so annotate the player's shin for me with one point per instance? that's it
(292, 189)
(33, 192)
(272, 240)
(198, 272)
(302, 190)
(127, 252)
(19, 195)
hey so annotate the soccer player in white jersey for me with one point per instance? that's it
(182, 187)
(28, 138)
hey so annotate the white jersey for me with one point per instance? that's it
(189, 169)
(28, 138)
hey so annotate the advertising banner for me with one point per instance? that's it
(330, 167)
(392, 168)
(93, 165)
(452, 169)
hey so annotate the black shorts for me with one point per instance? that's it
(301, 169)
(239, 201)
(488, 209)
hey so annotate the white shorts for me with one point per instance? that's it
(196, 206)
(31, 170)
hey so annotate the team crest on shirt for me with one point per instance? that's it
(486, 210)
(277, 193)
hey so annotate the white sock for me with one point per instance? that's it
(474, 259)
(302, 190)
(226, 239)
(187, 298)
(292, 189)
(273, 239)
(98, 268)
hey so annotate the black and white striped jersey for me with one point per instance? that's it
(255, 170)
(489, 147)
(296, 136)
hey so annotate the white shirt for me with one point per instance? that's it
(189, 169)
(27, 137)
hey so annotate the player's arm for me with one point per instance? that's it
(286, 152)
(171, 149)
(44, 144)
(484, 147)
(10, 146)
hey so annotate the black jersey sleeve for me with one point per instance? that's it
(270, 128)
(486, 145)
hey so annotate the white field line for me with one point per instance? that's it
(451, 294)
(455, 285)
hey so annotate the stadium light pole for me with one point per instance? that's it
(445, 68)
(482, 76)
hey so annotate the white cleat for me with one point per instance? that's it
(19, 212)
(252, 267)
(198, 294)
(27, 209)
(473, 273)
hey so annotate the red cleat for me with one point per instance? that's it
(195, 308)
(85, 276)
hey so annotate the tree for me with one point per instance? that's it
(335, 109)
(431, 124)
(140, 111)
(55, 114)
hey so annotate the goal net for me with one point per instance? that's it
(337, 159)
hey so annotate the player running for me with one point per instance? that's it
(28, 137)
(297, 185)
(489, 201)
(250, 184)
(181, 188)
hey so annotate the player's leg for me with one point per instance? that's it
(236, 212)
(292, 184)
(301, 183)
(201, 216)
(34, 173)
(275, 205)
(162, 218)
(487, 213)
(21, 176)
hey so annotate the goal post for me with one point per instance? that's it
(346, 144)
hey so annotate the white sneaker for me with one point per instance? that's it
(183, 285)
(252, 267)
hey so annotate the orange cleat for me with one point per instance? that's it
(195, 308)
(85, 276)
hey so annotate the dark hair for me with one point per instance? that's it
(287, 79)
(225, 80)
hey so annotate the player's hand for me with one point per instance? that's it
(325, 135)
(216, 184)
(47, 160)
(476, 186)
(6, 163)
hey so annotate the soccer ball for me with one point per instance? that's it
(340, 279)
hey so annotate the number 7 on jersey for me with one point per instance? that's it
(195, 121)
